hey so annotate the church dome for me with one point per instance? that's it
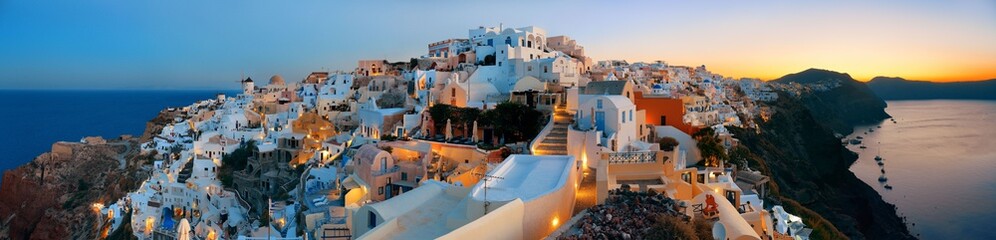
(277, 80)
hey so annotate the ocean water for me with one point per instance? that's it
(31, 120)
(940, 159)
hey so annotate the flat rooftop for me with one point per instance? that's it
(525, 177)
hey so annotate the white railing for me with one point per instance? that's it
(542, 134)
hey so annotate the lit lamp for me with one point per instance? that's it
(148, 224)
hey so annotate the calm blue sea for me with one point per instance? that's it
(940, 159)
(31, 120)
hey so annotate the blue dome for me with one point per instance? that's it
(658, 86)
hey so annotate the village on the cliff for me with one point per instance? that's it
(505, 134)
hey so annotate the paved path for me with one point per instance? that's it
(586, 195)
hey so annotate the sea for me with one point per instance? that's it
(31, 120)
(939, 157)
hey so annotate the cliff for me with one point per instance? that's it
(843, 107)
(810, 167)
(51, 196)
(892, 88)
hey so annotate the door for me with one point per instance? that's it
(663, 120)
(600, 121)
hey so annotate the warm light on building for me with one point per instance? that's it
(148, 224)
(555, 222)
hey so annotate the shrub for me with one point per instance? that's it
(672, 227)
(667, 143)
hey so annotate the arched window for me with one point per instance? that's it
(529, 43)
(508, 40)
(523, 42)
(453, 92)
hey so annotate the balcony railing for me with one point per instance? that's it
(386, 171)
(632, 157)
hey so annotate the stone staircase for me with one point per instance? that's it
(555, 143)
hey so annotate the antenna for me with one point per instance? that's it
(486, 178)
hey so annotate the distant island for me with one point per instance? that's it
(894, 88)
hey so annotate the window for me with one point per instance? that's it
(529, 68)
(508, 40)
(599, 103)
(453, 92)
(529, 43)
(545, 69)
(631, 114)
(624, 117)
(383, 163)
(371, 220)
(380, 191)
(491, 42)
(523, 42)
(404, 176)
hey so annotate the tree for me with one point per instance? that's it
(740, 155)
(412, 64)
(439, 114)
(709, 146)
(667, 143)
(489, 60)
(517, 122)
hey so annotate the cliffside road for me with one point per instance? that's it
(129, 151)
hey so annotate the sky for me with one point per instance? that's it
(210, 44)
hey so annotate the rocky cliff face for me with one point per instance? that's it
(155, 126)
(848, 104)
(51, 197)
(810, 167)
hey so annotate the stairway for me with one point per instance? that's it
(555, 143)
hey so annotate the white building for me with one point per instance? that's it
(614, 116)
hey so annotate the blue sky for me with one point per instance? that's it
(207, 45)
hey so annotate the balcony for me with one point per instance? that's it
(386, 171)
(632, 157)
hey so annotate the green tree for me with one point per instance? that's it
(439, 114)
(710, 148)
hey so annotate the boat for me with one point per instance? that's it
(887, 186)
(863, 147)
(882, 178)
(881, 164)
(855, 141)
(878, 158)
(871, 130)
(860, 137)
